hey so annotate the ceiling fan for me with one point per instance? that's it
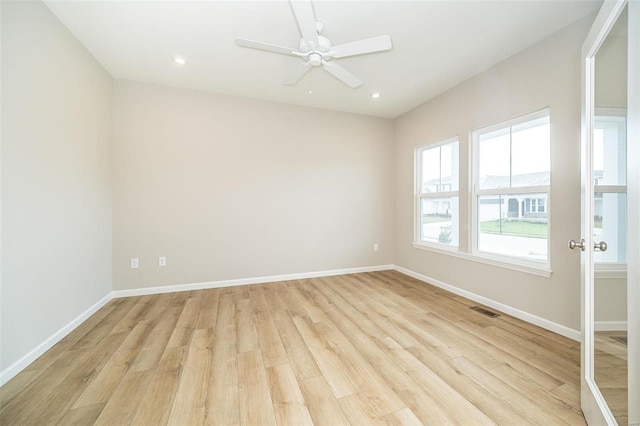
(317, 50)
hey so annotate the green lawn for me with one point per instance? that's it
(517, 228)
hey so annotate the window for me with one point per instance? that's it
(511, 189)
(533, 205)
(437, 193)
(610, 187)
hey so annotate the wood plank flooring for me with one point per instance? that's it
(368, 349)
(610, 372)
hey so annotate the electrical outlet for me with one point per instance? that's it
(135, 263)
(162, 261)
(376, 247)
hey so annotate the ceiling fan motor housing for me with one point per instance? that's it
(319, 53)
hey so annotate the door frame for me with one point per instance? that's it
(633, 209)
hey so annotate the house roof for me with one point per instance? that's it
(490, 181)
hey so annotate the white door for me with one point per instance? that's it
(610, 256)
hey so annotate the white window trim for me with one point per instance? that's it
(419, 195)
(610, 189)
(610, 112)
(509, 262)
(608, 270)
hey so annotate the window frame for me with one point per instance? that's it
(514, 262)
(601, 268)
(419, 196)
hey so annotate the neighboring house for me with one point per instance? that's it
(532, 207)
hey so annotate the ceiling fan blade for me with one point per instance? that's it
(297, 74)
(306, 22)
(342, 74)
(369, 45)
(268, 47)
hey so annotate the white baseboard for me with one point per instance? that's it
(246, 281)
(36, 352)
(610, 326)
(525, 316)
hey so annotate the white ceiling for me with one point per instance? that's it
(436, 45)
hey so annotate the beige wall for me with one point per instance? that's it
(228, 188)
(56, 191)
(544, 75)
(610, 300)
(611, 72)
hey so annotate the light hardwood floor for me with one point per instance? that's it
(610, 372)
(375, 348)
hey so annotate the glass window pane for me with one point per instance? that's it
(610, 226)
(530, 154)
(430, 170)
(439, 168)
(449, 167)
(439, 220)
(512, 225)
(609, 151)
(493, 159)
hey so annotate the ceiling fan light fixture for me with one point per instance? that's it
(375, 95)
(318, 50)
(180, 60)
(315, 59)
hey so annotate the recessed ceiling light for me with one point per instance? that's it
(180, 60)
(375, 95)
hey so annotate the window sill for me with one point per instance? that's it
(526, 267)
